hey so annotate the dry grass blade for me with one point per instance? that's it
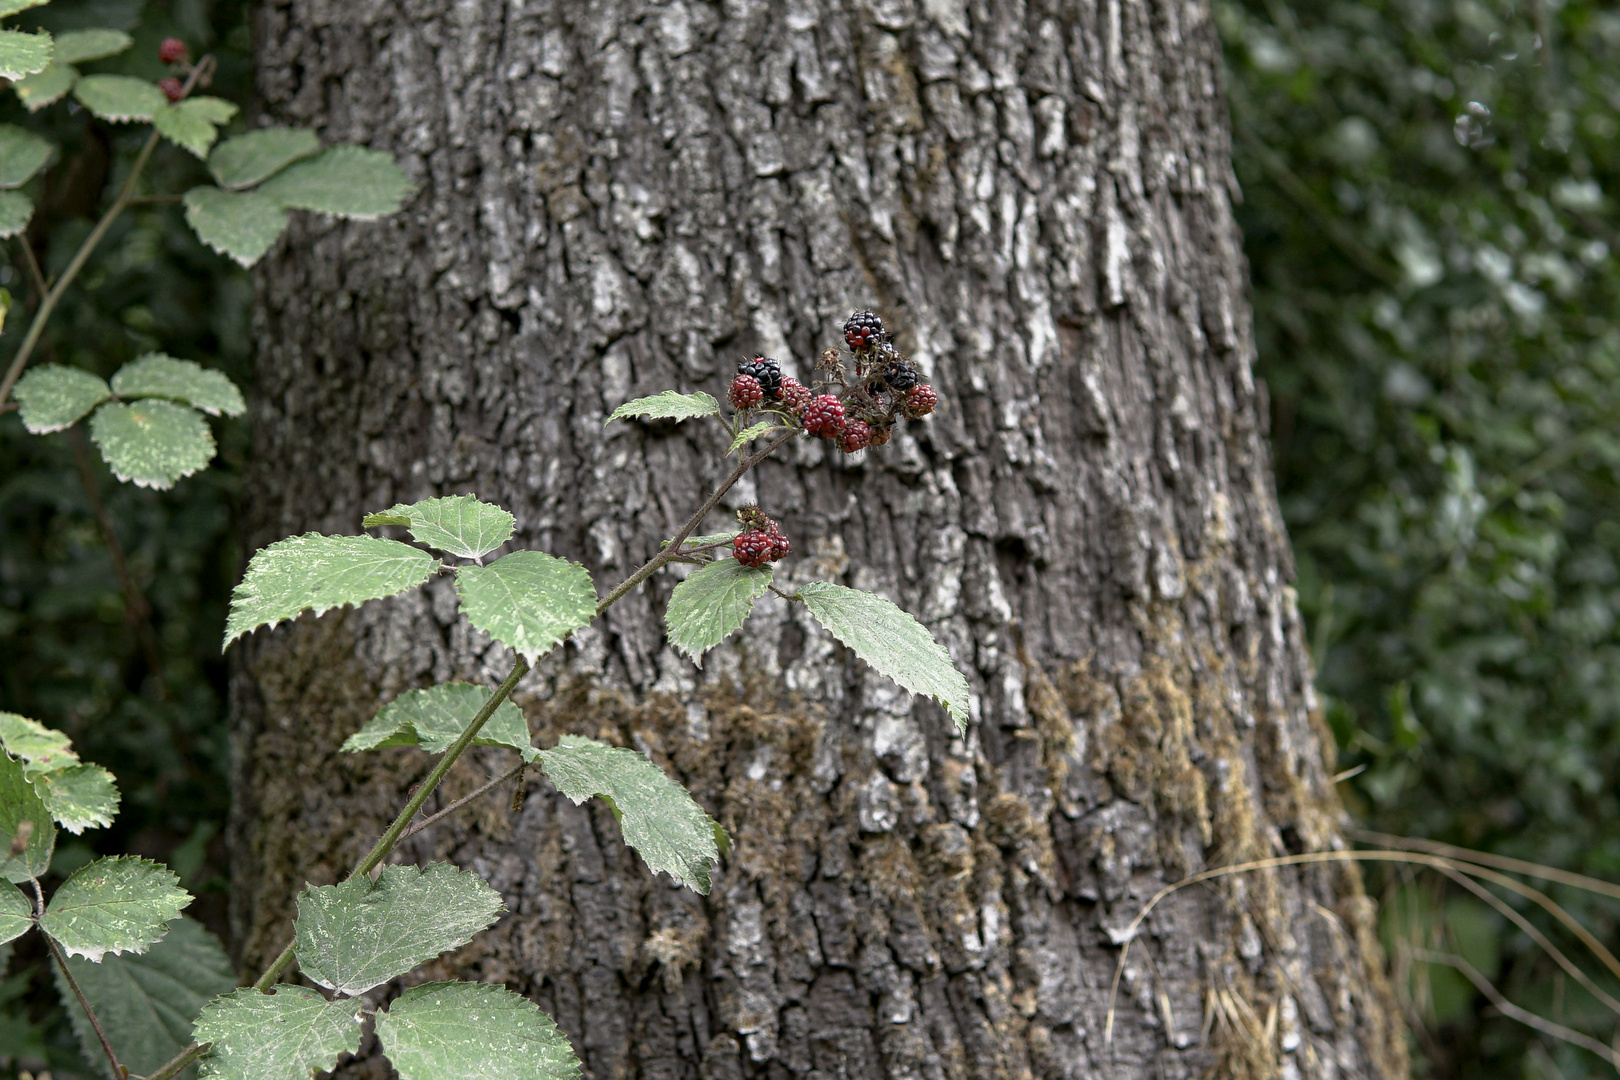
(1535, 935)
(1435, 862)
(1514, 1012)
(1485, 858)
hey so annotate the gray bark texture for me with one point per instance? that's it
(618, 197)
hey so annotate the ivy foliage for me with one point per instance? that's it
(1429, 192)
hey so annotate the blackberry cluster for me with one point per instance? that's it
(863, 330)
(885, 387)
(824, 417)
(900, 375)
(745, 392)
(767, 371)
(761, 540)
(794, 394)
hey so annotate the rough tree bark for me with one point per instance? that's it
(618, 197)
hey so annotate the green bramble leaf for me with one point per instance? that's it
(45, 87)
(22, 154)
(23, 811)
(118, 904)
(16, 913)
(11, 7)
(749, 434)
(120, 98)
(895, 644)
(346, 181)
(357, 935)
(288, 1035)
(194, 122)
(711, 603)
(147, 1002)
(23, 54)
(16, 210)
(528, 601)
(241, 224)
(161, 376)
(668, 406)
(434, 718)
(41, 749)
(657, 816)
(317, 573)
(80, 797)
(152, 443)
(83, 46)
(245, 160)
(450, 1030)
(458, 524)
(52, 397)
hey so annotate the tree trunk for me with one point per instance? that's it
(619, 198)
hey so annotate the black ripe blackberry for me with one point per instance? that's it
(863, 330)
(767, 371)
(900, 376)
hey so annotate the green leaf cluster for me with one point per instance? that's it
(1428, 205)
(438, 1031)
(526, 600)
(22, 53)
(77, 796)
(356, 936)
(434, 718)
(265, 173)
(148, 423)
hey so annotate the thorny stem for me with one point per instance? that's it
(463, 801)
(67, 973)
(34, 271)
(42, 314)
(126, 196)
(385, 844)
(136, 610)
(401, 826)
(652, 565)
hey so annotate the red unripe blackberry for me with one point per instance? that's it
(172, 51)
(781, 548)
(767, 371)
(753, 548)
(745, 392)
(920, 401)
(880, 435)
(863, 330)
(824, 417)
(794, 394)
(855, 436)
(172, 88)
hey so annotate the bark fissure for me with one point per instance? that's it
(618, 198)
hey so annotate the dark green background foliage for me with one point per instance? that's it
(1429, 217)
(74, 659)
(1430, 230)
